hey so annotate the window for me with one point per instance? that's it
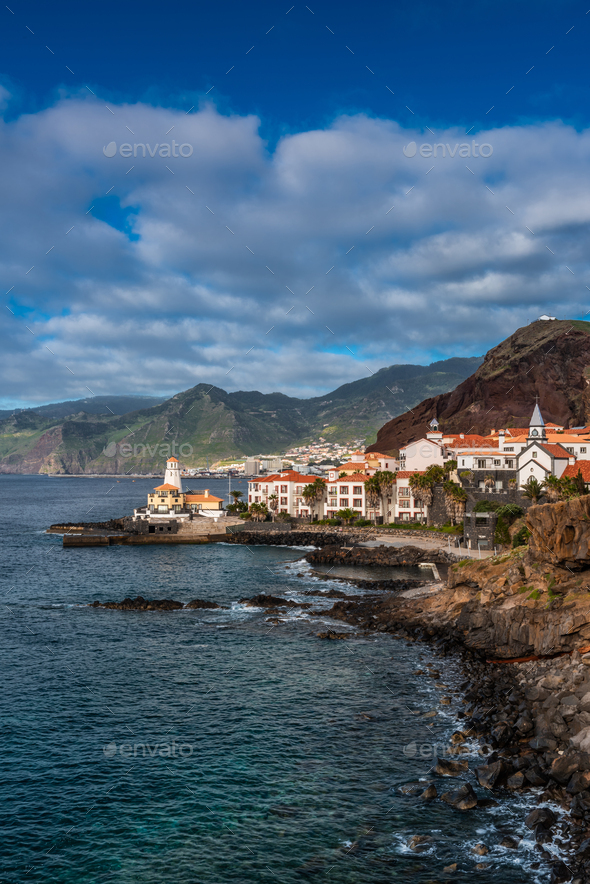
(358, 502)
(333, 490)
(404, 492)
(508, 449)
(496, 463)
(257, 499)
(343, 502)
(162, 509)
(509, 464)
(333, 501)
(249, 498)
(177, 509)
(582, 451)
(386, 465)
(283, 489)
(283, 511)
(405, 504)
(299, 489)
(357, 489)
(571, 450)
(481, 464)
(344, 489)
(462, 463)
(533, 453)
(283, 501)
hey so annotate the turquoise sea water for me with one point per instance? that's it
(205, 747)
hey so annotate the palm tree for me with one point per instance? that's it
(236, 495)
(387, 480)
(313, 493)
(373, 492)
(422, 486)
(273, 501)
(553, 488)
(347, 515)
(455, 501)
(489, 481)
(258, 511)
(532, 489)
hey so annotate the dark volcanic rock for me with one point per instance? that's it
(269, 601)
(446, 768)
(140, 604)
(491, 775)
(540, 816)
(378, 555)
(202, 603)
(463, 798)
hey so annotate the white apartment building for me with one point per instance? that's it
(405, 508)
(340, 494)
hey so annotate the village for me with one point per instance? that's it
(443, 478)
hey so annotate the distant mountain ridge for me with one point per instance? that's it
(211, 423)
(550, 360)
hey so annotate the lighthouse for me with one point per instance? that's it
(172, 475)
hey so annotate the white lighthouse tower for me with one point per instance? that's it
(172, 475)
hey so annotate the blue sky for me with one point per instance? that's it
(296, 148)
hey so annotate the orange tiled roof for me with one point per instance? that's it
(405, 474)
(175, 459)
(354, 477)
(285, 476)
(199, 497)
(469, 440)
(556, 450)
(571, 471)
(167, 488)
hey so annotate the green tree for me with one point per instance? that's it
(532, 489)
(422, 485)
(553, 488)
(455, 501)
(273, 502)
(347, 515)
(387, 480)
(238, 505)
(373, 492)
(258, 511)
(450, 466)
(314, 493)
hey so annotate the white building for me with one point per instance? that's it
(252, 466)
(172, 474)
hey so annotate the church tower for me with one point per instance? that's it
(537, 427)
(172, 475)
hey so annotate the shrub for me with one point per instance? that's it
(502, 533)
(486, 506)
(521, 538)
(362, 523)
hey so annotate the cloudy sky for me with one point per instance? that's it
(181, 208)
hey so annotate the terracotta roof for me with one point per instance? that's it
(469, 440)
(405, 474)
(351, 465)
(175, 459)
(199, 497)
(556, 450)
(571, 470)
(354, 477)
(285, 476)
(167, 488)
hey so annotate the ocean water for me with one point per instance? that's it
(205, 747)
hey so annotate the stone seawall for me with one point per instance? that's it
(292, 538)
(378, 555)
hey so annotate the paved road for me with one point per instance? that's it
(429, 543)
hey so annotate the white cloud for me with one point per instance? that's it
(450, 270)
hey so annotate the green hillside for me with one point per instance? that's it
(207, 422)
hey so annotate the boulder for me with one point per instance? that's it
(419, 843)
(463, 798)
(429, 794)
(579, 782)
(490, 775)
(540, 816)
(446, 768)
(563, 767)
(480, 849)
(509, 842)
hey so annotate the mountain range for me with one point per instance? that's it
(119, 434)
(548, 359)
